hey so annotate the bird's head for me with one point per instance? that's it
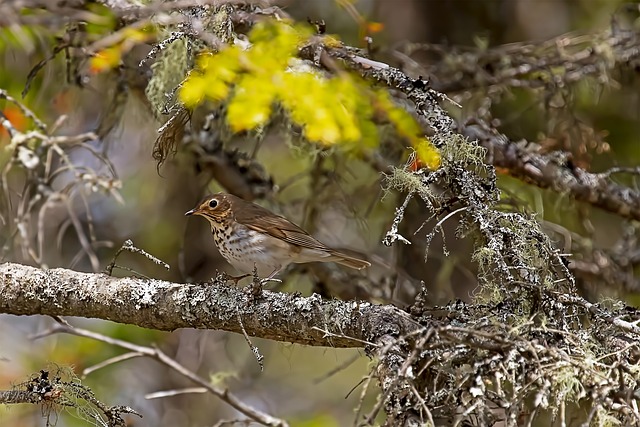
(216, 208)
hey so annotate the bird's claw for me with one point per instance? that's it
(257, 285)
(269, 279)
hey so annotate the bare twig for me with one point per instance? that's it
(255, 350)
(223, 394)
(171, 393)
(128, 246)
(393, 235)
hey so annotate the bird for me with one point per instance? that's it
(249, 236)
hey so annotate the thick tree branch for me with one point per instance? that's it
(167, 306)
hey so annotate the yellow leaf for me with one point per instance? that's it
(323, 131)
(105, 59)
(140, 35)
(216, 89)
(250, 105)
(427, 153)
(193, 90)
(339, 110)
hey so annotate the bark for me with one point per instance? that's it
(167, 306)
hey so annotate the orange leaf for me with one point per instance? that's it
(374, 27)
(16, 117)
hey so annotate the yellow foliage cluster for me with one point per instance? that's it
(338, 110)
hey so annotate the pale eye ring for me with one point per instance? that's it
(213, 204)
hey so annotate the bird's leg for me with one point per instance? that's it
(273, 274)
(255, 289)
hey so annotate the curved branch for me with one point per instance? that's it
(167, 306)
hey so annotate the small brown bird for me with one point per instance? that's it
(247, 234)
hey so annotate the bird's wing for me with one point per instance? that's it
(264, 221)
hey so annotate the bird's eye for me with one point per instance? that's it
(213, 204)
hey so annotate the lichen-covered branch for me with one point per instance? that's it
(496, 370)
(557, 172)
(565, 59)
(414, 353)
(168, 306)
(541, 170)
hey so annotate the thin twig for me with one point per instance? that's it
(255, 350)
(223, 394)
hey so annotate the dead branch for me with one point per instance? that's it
(58, 388)
(222, 393)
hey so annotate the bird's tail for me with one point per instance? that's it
(350, 261)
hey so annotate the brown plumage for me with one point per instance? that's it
(248, 234)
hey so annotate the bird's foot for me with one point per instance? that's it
(257, 284)
(235, 279)
(269, 279)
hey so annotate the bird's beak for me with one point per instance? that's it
(191, 212)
